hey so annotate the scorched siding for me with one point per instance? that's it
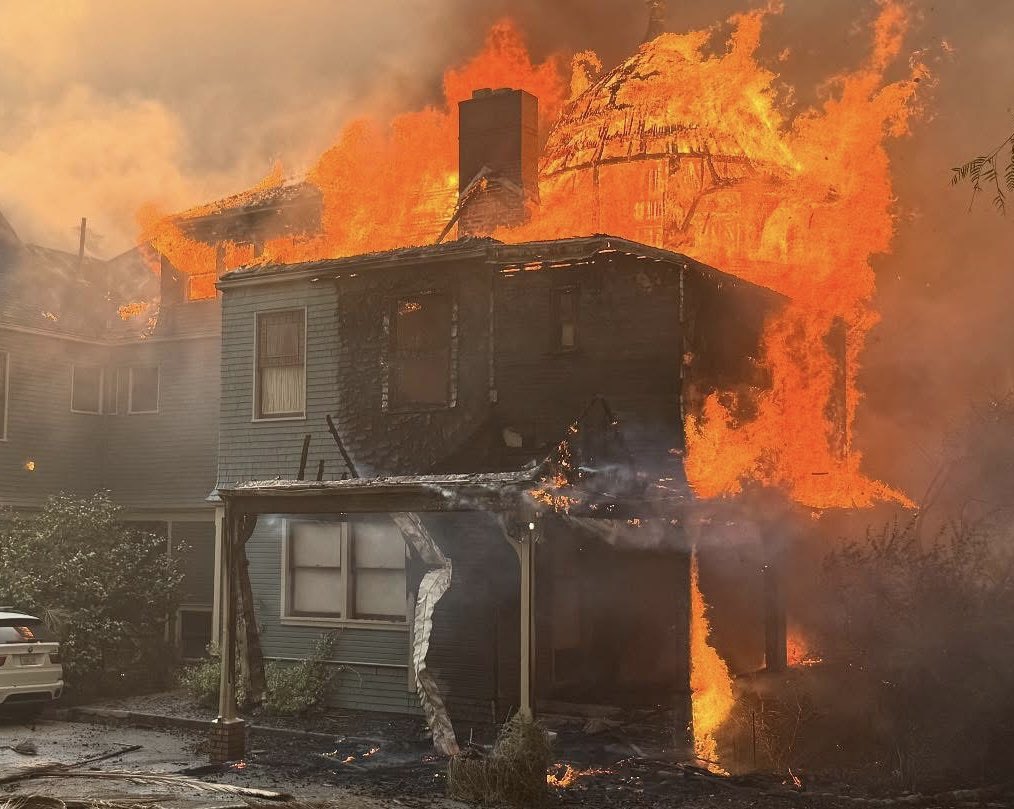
(379, 658)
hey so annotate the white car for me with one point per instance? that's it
(30, 672)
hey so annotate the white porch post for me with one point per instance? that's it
(216, 611)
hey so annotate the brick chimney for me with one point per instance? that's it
(498, 159)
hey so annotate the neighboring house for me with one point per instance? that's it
(99, 389)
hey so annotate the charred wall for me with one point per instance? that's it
(627, 349)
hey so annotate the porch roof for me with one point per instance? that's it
(487, 491)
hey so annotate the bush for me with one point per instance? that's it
(293, 688)
(106, 589)
(296, 688)
(924, 631)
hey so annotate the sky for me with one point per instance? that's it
(108, 104)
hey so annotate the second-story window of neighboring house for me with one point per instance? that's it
(419, 362)
(345, 570)
(143, 396)
(5, 362)
(111, 391)
(281, 364)
(565, 318)
(86, 389)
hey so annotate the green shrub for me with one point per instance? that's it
(201, 681)
(295, 688)
(106, 588)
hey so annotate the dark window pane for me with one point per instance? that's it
(110, 387)
(86, 394)
(195, 633)
(566, 318)
(144, 390)
(420, 362)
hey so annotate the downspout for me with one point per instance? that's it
(435, 582)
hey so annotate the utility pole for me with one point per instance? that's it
(81, 244)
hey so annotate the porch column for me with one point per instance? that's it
(216, 599)
(228, 733)
(526, 558)
(522, 534)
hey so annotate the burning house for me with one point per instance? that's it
(465, 457)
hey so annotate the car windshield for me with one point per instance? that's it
(22, 630)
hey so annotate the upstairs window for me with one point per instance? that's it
(565, 300)
(86, 389)
(420, 351)
(5, 362)
(345, 570)
(281, 365)
(111, 391)
(143, 397)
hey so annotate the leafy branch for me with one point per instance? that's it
(984, 171)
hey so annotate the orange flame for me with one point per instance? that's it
(799, 206)
(562, 776)
(710, 681)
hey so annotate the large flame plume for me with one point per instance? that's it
(800, 207)
(710, 682)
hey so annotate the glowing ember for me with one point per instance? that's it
(132, 310)
(798, 651)
(29, 465)
(683, 149)
(562, 775)
(710, 682)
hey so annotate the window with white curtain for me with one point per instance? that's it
(351, 569)
(281, 364)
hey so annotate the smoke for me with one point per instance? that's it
(108, 104)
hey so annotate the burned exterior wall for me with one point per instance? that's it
(626, 348)
(474, 650)
(402, 438)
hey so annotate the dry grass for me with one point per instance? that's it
(514, 774)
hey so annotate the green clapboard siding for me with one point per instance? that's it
(378, 660)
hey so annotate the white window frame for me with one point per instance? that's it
(5, 362)
(102, 387)
(130, 390)
(289, 618)
(255, 399)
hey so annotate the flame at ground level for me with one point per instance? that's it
(710, 681)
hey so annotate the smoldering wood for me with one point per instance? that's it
(303, 456)
(341, 446)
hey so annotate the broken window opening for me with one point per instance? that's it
(420, 351)
(281, 364)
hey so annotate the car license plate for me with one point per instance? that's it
(31, 660)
